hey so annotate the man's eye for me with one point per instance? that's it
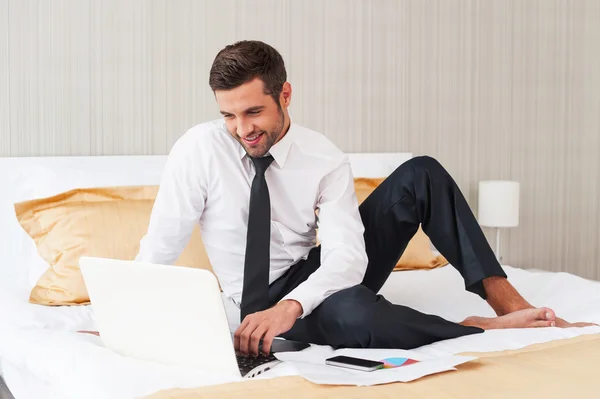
(228, 116)
(253, 112)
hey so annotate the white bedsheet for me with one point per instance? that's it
(26, 385)
(71, 365)
(17, 312)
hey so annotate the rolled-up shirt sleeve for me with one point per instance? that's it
(343, 255)
(178, 206)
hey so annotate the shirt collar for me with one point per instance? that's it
(280, 150)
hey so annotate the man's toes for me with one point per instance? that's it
(545, 314)
(543, 323)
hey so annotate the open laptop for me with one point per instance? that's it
(168, 314)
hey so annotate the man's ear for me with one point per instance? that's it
(286, 95)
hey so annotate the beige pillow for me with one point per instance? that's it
(102, 222)
(418, 253)
(110, 222)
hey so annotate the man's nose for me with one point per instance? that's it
(244, 129)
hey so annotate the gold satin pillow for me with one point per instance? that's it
(101, 222)
(418, 253)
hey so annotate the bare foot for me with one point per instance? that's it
(505, 300)
(559, 322)
(564, 324)
(525, 318)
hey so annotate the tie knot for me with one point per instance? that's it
(261, 164)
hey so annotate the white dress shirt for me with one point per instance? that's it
(207, 180)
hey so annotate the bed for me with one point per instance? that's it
(43, 356)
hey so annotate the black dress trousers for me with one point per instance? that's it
(420, 191)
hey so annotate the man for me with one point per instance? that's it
(259, 185)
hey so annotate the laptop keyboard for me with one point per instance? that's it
(247, 363)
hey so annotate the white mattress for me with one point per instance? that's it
(42, 356)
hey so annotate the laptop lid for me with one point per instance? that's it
(167, 314)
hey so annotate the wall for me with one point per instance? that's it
(493, 89)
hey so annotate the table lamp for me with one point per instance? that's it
(498, 206)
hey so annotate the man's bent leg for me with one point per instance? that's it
(358, 318)
(503, 297)
(421, 191)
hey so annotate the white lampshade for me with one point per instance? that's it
(498, 203)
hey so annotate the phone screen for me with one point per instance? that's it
(355, 361)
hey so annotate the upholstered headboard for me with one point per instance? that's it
(36, 177)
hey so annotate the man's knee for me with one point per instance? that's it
(422, 165)
(425, 162)
(349, 305)
(346, 316)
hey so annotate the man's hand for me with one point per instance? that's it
(266, 325)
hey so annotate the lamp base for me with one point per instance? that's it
(498, 256)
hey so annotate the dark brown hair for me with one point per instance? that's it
(243, 61)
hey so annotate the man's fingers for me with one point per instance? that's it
(245, 336)
(238, 333)
(236, 337)
(256, 337)
(263, 325)
(268, 341)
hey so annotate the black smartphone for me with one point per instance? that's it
(354, 363)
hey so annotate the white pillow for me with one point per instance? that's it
(32, 178)
(13, 243)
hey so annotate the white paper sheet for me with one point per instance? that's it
(310, 364)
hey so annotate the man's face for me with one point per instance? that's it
(252, 117)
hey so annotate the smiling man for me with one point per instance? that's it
(259, 185)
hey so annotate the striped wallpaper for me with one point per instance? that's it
(493, 89)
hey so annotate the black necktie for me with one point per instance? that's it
(255, 294)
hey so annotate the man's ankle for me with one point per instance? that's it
(505, 309)
(503, 297)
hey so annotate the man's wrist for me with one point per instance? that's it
(292, 307)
